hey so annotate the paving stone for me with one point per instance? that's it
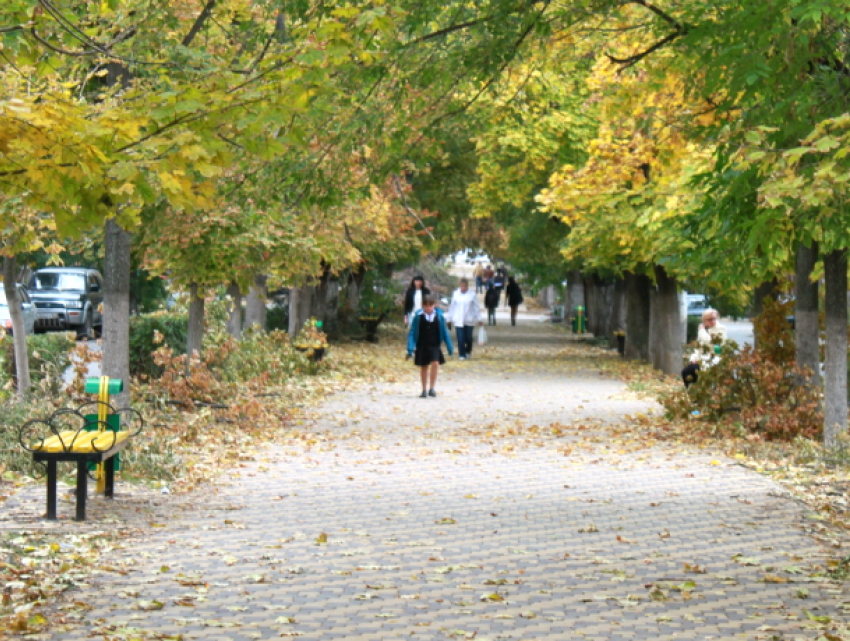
(422, 508)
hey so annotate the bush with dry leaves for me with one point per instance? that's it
(756, 392)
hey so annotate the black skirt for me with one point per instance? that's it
(426, 355)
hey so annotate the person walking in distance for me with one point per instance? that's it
(513, 297)
(427, 333)
(464, 313)
(478, 275)
(498, 283)
(413, 297)
(488, 277)
(491, 302)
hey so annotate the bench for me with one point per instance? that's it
(71, 435)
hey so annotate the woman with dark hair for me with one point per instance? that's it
(513, 297)
(413, 297)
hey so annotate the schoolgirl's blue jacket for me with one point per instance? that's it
(413, 334)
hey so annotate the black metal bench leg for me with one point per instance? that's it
(109, 464)
(51, 490)
(82, 489)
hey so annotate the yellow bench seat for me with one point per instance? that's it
(83, 442)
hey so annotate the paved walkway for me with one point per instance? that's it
(510, 507)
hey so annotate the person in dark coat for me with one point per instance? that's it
(413, 297)
(513, 297)
(428, 331)
(491, 302)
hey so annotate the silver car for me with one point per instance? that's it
(27, 309)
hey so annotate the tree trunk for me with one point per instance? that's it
(835, 392)
(618, 310)
(591, 303)
(234, 319)
(574, 294)
(768, 289)
(355, 284)
(319, 303)
(116, 309)
(806, 313)
(666, 320)
(638, 288)
(195, 331)
(255, 306)
(19, 333)
(300, 304)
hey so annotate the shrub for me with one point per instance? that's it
(758, 391)
(693, 327)
(13, 457)
(49, 356)
(143, 341)
(277, 318)
(377, 297)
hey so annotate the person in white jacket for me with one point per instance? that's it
(464, 313)
(710, 337)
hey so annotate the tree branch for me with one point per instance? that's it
(64, 52)
(407, 208)
(679, 31)
(661, 14)
(447, 30)
(199, 23)
(632, 60)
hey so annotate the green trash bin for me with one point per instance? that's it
(113, 421)
(579, 321)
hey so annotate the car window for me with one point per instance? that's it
(25, 298)
(60, 281)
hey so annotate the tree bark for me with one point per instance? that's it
(355, 283)
(574, 294)
(300, 304)
(768, 289)
(591, 303)
(195, 332)
(618, 311)
(255, 305)
(667, 323)
(638, 287)
(806, 313)
(234, 319)
(319, 303)
(19, 333)
(835, 389)
(116, 309)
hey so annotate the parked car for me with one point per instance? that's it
(67, 298)
(697, 304)
(27, 309)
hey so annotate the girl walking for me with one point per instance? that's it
(427, 333)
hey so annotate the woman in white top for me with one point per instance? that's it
(464, 313)
(413, 297)
(710, 335)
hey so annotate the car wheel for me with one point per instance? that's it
(86, 330)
